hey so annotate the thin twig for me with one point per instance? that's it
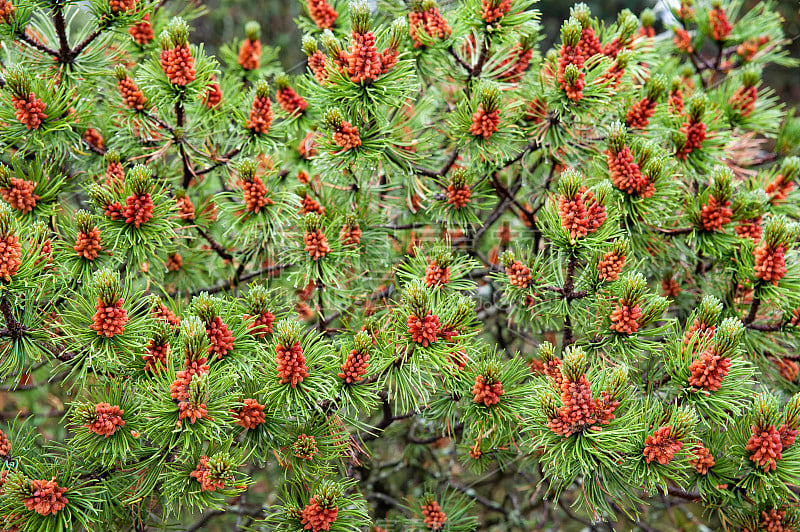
(30, 41)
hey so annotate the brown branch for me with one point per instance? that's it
(87, 41)
(216, 246)
(765, 327)
(680, 494)
(670, 232)
(61, 30)
(478, 68)
(14, 328)
(458, 59)
(30, 41)
(242, 278)
(180, 119)
(158, 121)
(220, 162)
(93, 148)
(751, 315)
(477, 497)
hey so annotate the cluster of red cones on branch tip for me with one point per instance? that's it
(138, 209)
(708, 370)
(322, 13)
(291, 102)
(703, 459)
(210, 477)
(423, 330)
(250, 415)
(487, 389)
(220, 338)
(156, 357)
(494, 10)
(640, 113)
(661, 446)
(291, 362)
(345, 134)
(250, 51)
(132, 96)
(46, 498)
(625, 172)
(424, 15)
(212, 97)
(121, 6)
(361, 62)
(719, 23)
(106, 419)
(161, 312)
(436, 274)
(579, 409)
(485, 122)
(321, 511)
(715, 214)
(770, 254)
(254, 191)
(580, 210)
(115, 172)
(519, 274)
(610, 266)
(625, 317)
(570, 75)
(316, 244)
(316, 60)
(29, 110)
(190, 387)
(5, 445)
(19, 193)
(433, 516)
(517, 63)
(142, 32)
(350, 234)
(176, 58)
(262, 324)
(109, 318)
(694, 130)
(260, 118)
(357, 362)
(766, 445)
(10, 256)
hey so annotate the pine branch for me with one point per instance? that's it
(466, 66)
(448, 164)
(93, 148)
(680, 494)
(573, 517)
(670, 232)
(220, 162)
(30, 41)
(61, 31)
(180, 119)
(568, 293)
(477, 497)
(216, 246)
(754, 305)
(765, 327)
(244, 278)
(160, 123)
(14, 329)
(88, 40)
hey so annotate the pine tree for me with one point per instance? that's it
(437, 279)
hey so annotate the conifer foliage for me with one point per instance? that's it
(437, 278)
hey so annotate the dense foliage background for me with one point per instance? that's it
(319, 265)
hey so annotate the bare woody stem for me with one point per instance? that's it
(14, 329)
